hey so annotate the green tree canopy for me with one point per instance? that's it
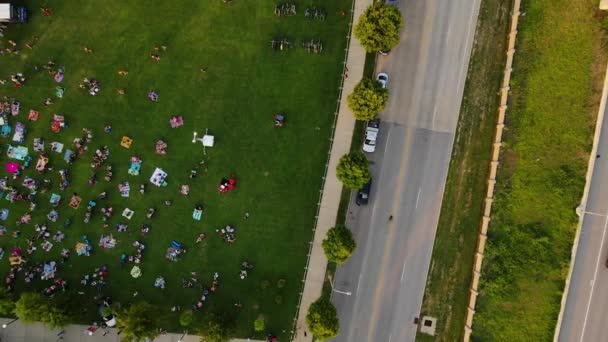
(7, 304)
(214, 332)
(186, 317)
(140, 321)
(322, 319)
(33, 307)
(259, 324)
(367, 99)
(353, 171)
(378, 28)
(339, 244)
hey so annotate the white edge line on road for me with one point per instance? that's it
(418, 197)
(597, 265)
(359, 283)
(402, 272)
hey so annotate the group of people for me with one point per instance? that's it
(45, 237)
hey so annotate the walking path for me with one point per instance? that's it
(37, 332)
(330, 200)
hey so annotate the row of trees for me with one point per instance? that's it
(137, 322)
(377, 30)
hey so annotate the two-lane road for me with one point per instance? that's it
(387, 272)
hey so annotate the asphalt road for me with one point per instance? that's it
(586, 309)
(388, 270)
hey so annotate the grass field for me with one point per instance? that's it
(554, 98)
(448, 282)
(245, 82)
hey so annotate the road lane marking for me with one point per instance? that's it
(359, 282)
(402, 272)
(597, 265)
(389, 237)
(389, 337)
(595, 214)
(418, 197)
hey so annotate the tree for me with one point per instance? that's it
(259, 324)
(213, 333)
(138, 322)
(30, 307)
(55, 317)
(33, 307)
(7, 304)
(367, 99)
(185, 319)
(322, 319)
(378, 28)
(353, 171)
(339, 244)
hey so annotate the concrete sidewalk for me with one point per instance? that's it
(332, 189)
(38, 332)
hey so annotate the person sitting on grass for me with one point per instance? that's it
(145, 229)
(201, 237)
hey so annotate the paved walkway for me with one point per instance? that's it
(332, 189)
(37, 332)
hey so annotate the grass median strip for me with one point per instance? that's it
(552, 105)
(446, 294)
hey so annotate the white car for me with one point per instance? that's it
(383, 79)
(371, 135)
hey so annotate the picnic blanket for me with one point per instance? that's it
(124, 189)
(19, 152)
(158, 177)
(19, 135)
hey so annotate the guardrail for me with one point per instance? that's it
(485, 220)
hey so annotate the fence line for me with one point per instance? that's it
(485, 220)
(331, 143)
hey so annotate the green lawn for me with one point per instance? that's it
(554, 96)
(245, 83)
(447, 291)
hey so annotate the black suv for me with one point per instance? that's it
(363, 194)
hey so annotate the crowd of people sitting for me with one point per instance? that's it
(44, 239)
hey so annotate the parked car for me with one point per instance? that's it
(391, 2)
(12, 13)
(363, 194)
(383, 79)
(384, 53)
(371, 135)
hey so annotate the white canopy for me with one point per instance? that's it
(5, 12)
(208, 140)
